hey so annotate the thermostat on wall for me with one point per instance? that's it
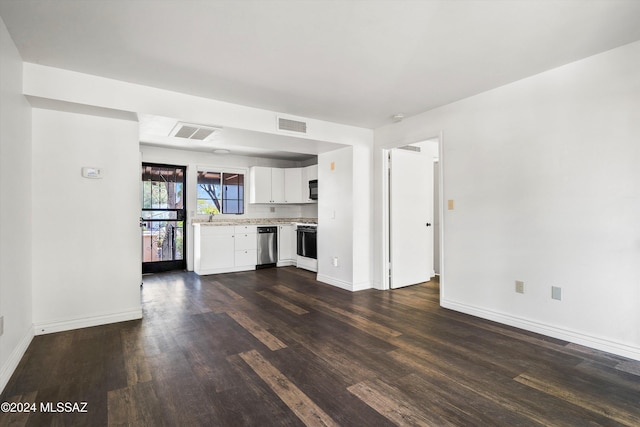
(93, 173)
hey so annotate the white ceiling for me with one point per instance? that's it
(345, 61)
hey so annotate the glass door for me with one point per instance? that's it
(163, 217)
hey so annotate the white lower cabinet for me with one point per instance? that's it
(224, 249)
(246, 258)
(212, 248)
(286, 244)
(246, 246)
(228, 248)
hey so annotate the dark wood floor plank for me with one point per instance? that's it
(355, 320)
(136, 366)
(449, 402)
(257, 330)
(19, 419)
(289, 393)
(617, 411)
(284, 303)
(253, 402)
(476, 380)
(274, 347)
(391, 403)
(326, 386)
(630, 366)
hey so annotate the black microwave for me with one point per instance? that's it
(313, 189)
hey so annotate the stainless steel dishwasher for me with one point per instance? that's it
(267, 247)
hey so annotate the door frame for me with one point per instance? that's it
(172, 265)
(386, 229)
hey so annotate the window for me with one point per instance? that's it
(220, 192)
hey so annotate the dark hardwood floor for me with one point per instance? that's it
(276, 348)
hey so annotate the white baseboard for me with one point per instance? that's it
(353, 287)
(598, 343)
(361, 286)
(208, 271)
(42, 328)
(14, 358)
(334, 282)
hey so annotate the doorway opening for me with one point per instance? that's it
(163, 217)
(412, 208)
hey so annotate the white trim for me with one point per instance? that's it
(341, 283)
(208, 271)
(43, 328)
(361, 286)
(598, 343)
(14, 359)
(385, 219)
(441, 200)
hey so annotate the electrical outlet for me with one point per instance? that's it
(556, 293)
(335, 261)
(519, 287)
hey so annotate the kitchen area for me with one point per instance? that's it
(238, 182)
(231, 246)
(244, 211)
(224, 244)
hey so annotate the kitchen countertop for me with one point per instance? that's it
(255, 221)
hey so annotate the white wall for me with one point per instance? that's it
(335, 217)
(72, 90)
(193, 159)
(15, 210)
(86, 236)
(361, 225)
(544, 173)
(344, 217)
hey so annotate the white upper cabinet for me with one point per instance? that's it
(293, 185)
(260, 185)
(312, 172)
(278, 185)
(267, 185)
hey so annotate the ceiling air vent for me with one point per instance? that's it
(410, 148)
(292, 125)
(192, 131)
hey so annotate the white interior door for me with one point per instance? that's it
(410, 218)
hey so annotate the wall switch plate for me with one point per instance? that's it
(91, 172)
(556, 293)
(519, 286)
(335, 261)
(450, 205)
